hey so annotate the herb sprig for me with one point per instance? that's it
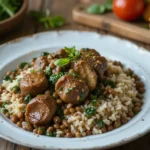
(73, 55)
(100, 8)
(47, 20)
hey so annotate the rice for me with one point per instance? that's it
(111, 109)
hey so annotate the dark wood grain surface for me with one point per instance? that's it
(63, 7)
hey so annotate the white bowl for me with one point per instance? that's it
(136, 58)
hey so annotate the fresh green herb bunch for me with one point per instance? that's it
(8, 8)
(47, 20)
(73, 55)
(100, 8)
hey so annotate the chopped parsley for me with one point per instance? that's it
(52, 134)
(7, 78)
(93, 102)
(16, 89)
(3, 107)
(48, 71)
(90, 111)
(108, 83)
(45, 54)
(54, 77)
(60, 112)
(94, 99)
(69, 90)
(82, 96)
(28, 98)
(4, 104)
(100, 123)
(22, 65)
(97, 92)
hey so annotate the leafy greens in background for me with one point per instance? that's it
(47, 20)
(100, 8)
(8, 8)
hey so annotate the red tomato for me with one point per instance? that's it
(128, 9)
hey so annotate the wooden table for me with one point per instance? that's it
(62, 7)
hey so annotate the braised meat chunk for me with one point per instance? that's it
(94, 59)
(71, 90)
(40, 110)
(41, 63)
(33, 83)
(87, 73)
(61, 54)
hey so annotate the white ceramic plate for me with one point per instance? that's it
(24, 49)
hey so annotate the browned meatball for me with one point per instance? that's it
(94, 59)
(88, 52)
(33, 84)
(87, 73)
(71, 90)
(61, 54)
(40, 110)
(40, 63)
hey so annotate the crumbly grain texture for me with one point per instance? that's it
(119, 102)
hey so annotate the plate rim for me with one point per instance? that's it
(17, 40)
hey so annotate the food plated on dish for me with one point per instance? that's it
(71, 93)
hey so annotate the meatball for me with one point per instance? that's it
(71, 90)
(33, 83)
(40, 110)
(87, 73)
(88, 51)
(98, 62)
(61, 54)
(40, 63)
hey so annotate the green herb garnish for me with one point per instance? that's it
(28, 98)
(3, 107)
(49, 134)
(100, 8)
(4, 104)
(16, 89)
(82, 96)
(48, 71)
(54, 77)
(47, 20)
(7, 78)
(94, 99)
(96, 92)
(60, 112)
(94, 102)
(4, 110)
(69, 90)
(100, 123)
(73, 55)
(90, 111)
(45, 54)
(22, 65)
(108, 83)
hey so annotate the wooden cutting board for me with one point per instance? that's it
(110, 22)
